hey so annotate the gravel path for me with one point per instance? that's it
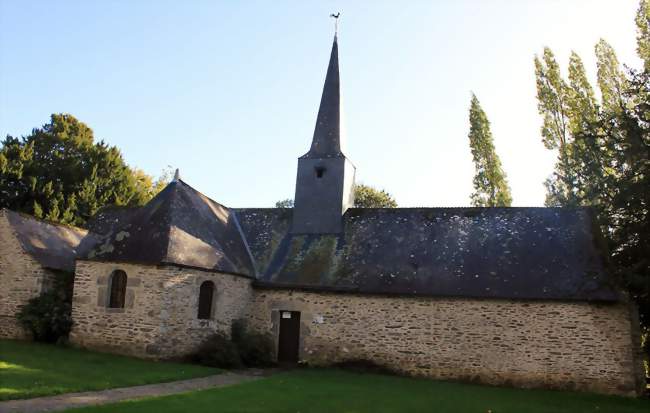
(69, 400)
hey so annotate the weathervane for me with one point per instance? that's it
(336, 21)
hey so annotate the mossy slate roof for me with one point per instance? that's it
(508, 253)
(525, 253)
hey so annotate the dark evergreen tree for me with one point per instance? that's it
(60, 173)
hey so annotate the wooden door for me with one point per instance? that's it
(289, 337)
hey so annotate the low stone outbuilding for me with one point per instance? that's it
(31, 253)
(518, 296)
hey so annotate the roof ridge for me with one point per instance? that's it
(44, 221)
(202, 194)
(585, 207)
(12, 229)
(245, 241)
(167, 214)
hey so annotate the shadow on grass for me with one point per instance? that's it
(332, 390)
(33, 369)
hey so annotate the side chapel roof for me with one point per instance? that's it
(178, 226)
(54, 246)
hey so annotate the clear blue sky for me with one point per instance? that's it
(228, 91)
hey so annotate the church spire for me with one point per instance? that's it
(327, 133)
(325, 181)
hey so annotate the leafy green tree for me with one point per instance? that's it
(643, 33)
(611, 79)
(366, 196)
(285, 203)
(490, 184)
(146, 184)
(603, 151)
(60, 173)
(552, 104)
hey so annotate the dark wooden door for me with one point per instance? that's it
(289, 337)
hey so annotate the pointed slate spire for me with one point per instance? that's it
(327, 134)
(325, 181)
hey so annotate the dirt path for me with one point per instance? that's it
(70, 400)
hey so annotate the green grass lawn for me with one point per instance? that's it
(33, 369)
(313, 391)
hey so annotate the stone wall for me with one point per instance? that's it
(566, 345)
(159, 319)
(21, 278)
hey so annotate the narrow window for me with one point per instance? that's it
(206, 291)
(118, 289)
(320, 171)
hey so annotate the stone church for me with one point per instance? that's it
(516, 296)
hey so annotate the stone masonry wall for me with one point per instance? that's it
(182, 331)
(21, 278)
(565, 345)
(159, 319)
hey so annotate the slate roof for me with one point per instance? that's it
(526, 253)
(179, 226)
(327, 139)
(108, 218)
(509, 253)
(54, 246)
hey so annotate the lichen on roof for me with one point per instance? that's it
(506, 253)
(532, 253)
(178, 226)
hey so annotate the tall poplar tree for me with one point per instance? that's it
(643, 33)
(553, 105)
(603, 147)
(490, 184)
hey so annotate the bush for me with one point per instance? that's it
(48, 316)
(218, 351)
(364, 366)
(255, 349)
(243, 349)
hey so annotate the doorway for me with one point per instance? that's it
(289, 337)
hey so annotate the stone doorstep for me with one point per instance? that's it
(71, 400)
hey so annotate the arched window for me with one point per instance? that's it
(118, 289)
(206, 293)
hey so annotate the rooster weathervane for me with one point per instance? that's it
(336, 21)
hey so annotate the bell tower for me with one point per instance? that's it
(325, 181)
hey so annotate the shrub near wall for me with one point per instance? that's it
(48, 316)
(255, 349)
(244, 348)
